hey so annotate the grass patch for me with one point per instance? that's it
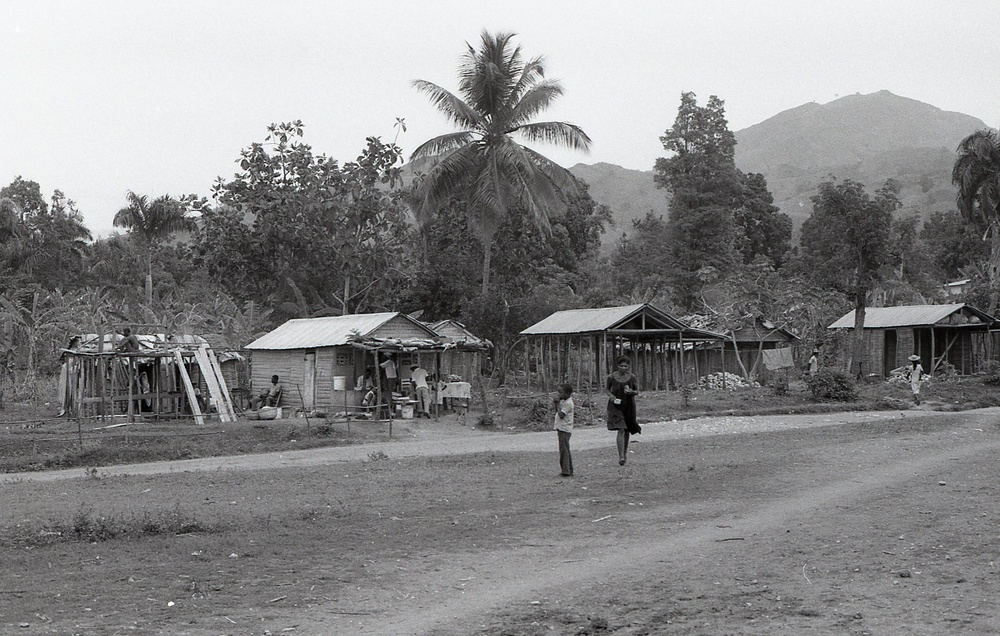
(88, 526)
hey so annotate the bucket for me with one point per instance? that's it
(340, 383)
(406, 412)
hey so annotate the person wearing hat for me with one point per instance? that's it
(915, 372)
(814, 362)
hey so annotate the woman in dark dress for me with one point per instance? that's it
(622, 388)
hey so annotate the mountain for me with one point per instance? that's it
(868, 138)
(629, 193)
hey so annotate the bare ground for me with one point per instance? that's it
(864, 523)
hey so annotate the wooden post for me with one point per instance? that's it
(527, 363)
(680, 348)
(579, 362)
(131, 406)
(378, 386)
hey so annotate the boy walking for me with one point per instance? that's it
(564, 427)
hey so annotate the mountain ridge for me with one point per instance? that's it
(866, 137)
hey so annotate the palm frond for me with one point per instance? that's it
(449, 178)
(442, 143)
(531, 74)
(457, 111)
(558, 133)
(535, 100)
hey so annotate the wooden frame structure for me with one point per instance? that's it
(169, 376)
(579, 346)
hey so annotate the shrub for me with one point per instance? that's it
(832, 384)
(991, 373)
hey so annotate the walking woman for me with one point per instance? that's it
(622, 388)
(914, 374)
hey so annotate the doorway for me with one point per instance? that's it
(889, 352)
(309, 380)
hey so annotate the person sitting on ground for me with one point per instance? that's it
(129, 343)
(271, 396)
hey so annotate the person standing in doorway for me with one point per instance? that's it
(389, 369)
(418, 376)
(915, 373)
(622, 389)
(564, 427)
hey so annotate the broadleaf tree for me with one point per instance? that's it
(846, 247)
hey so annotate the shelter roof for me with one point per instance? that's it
(631, 319)
(771, 331)
(915, 316)
(329, 331)
(454, 330)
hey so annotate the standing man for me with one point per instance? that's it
(814, 362)
(418, 376)
(389, 369)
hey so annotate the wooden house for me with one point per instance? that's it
(580, 345)
(318, 360)
(954, 333)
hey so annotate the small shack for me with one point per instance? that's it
(318, 360)
(580, 345)
(955, 333)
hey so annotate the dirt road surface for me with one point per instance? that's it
(856, 523)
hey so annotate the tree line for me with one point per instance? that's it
(478, 226)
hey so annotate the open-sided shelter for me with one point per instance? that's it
(954, 333)
(319, 359)
(455, 361)
(578, 345)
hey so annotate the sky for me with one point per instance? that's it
(101, 97)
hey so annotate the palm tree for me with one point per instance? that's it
(500, 94)
(150, 223)
(977, 175)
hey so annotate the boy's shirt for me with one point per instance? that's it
(564, 423)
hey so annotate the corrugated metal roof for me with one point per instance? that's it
(329, 331)
(581, 320)
(905, 316)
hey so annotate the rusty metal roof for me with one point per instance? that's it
(583, 321)
(329, 331)
(909, 316)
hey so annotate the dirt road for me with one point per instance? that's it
(422, 438)
(758, 534)
(858, 524)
